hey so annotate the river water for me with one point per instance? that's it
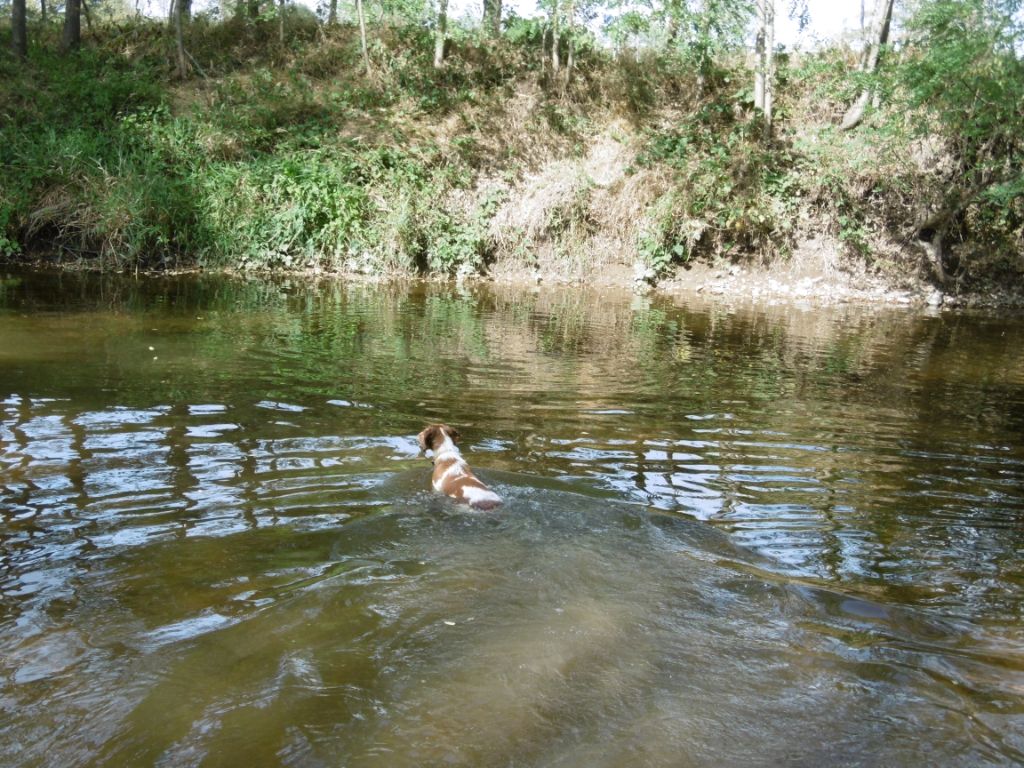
(731, 535)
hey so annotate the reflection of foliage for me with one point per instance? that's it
(814, 422)
(396, 347)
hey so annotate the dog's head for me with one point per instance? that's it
(431, 437)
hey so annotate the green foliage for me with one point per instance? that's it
(291, 156)
(8, 247)
(285, 210)
(255, 176)
(420, 235)
(664, 241)
(627, 27)
(704, 33)
(734, 193)
(965, 70)
(520, 31)
(460, 246)
(853, 233)
(963, 80)
(74, 170)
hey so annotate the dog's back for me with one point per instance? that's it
(452, 475)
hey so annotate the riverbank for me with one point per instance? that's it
(791, 284)
(811, 284)
(778, 287)
(642, 173)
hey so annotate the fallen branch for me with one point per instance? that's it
(196, 64)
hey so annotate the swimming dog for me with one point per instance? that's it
(452, 475)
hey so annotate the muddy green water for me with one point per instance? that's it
(731, 536)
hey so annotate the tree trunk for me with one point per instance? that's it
(332, 15)
(931, 232)
(254, 9)
(492, 18)
(671, 32)
(769, 66)
(19, 29)
(177, 6)
(703, 51)
(764, 72)
(362, 35)
(932, 228)
(869, 62)
(441, 33)
(186, 8)
(570, 57)
(555, 62)
(759, 63)
(935, 248)
(280, 22)
(42, 10)
(72, 36)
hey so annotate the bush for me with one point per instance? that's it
(735, 194)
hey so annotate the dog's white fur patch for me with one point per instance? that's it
(457, 469)
(473, 494)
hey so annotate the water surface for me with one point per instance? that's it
(731, 535)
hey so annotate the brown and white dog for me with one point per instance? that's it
(452, 475)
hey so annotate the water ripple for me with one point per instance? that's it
(709, 515)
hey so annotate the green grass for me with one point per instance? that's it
(257, 172)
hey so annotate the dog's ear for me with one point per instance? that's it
(426, 438)
(453, 433)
